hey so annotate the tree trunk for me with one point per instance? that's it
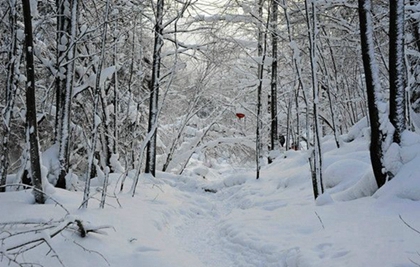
(96, 117)
(397, 68)
(317, 153)
(154, 91)
(378, 133)
(261, 57)
(414, 92)
(31, 120)
(274, 136)
(68, 40)
(302, 86)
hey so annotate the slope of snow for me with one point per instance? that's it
(223, 217)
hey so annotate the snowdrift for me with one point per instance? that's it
(223, 217)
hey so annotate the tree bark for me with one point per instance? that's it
(274, 136)
(65, 89)
(397, 68)
(154, 91)
(261, 57)
(378, 133)
(31, 120)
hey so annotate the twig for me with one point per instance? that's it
(409, 226)
(414, 262)
(319, 218)
(92, 251)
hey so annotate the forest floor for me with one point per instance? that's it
(230, 219)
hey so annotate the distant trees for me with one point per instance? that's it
(13, 58)
(123, 84)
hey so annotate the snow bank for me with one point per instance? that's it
(272, 222)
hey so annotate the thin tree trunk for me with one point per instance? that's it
(66, 97)
(288, 124)
(96, 116)
(317, 154)
(274, 136)
(330, 101)
(154, 91)
(302, 85)
(31, 119)
(297, 118)
(115, 100)
(261, 58)
(175, 141)
(107, 142)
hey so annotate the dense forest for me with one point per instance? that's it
(102, 86)
(90, 89)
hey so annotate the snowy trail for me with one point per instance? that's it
(206, 229)
(275, 222)
(200, 234)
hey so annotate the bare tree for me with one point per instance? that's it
(154, 90)
(379, 131)
(316, 158)
(96, 117)
(397, 78)
(67, 33)
(261, 58)
(274, 136)
(31, 116)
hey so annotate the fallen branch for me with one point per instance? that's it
(16, 238)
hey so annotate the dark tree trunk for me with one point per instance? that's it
(154, 91)
(414, 93)
(261, 56)
(397, 68)
(378, 135)
(65, 86)
(31, 120)
(274, 137)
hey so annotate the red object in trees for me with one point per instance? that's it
(240, 115)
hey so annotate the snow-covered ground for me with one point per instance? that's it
(238, 221)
